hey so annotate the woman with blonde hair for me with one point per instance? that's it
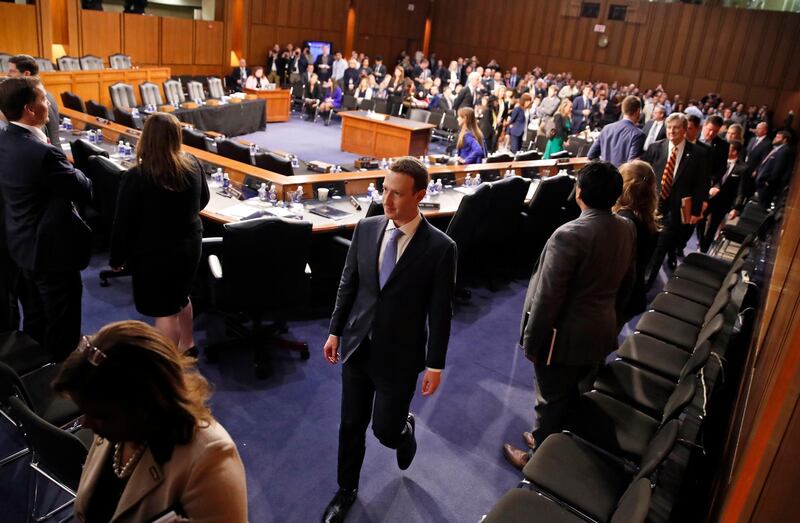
(157, 231)
(157, 449)
(470, 145)
(558, 136)
(639, 203)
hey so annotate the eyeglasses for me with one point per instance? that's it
(90, 352)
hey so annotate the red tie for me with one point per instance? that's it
(669, 170)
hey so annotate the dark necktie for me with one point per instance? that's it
(669, 171)
(389, 256)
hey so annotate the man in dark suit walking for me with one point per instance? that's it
(679, 167)
(468, 96)
(576, 301)
(46, 238)
(773, 172)
(722, 196)
(394, 300)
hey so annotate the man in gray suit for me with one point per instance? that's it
(575, 301)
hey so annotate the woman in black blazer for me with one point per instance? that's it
(157, 230)
(639, 203)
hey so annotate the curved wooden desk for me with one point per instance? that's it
(356, 183)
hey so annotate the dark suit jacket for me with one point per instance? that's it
(717, 159)
(413, 308)
(757, 152)
(662, 133)
(236, 75)
(690, 179)
(729, 189)
(516, 124)
(464, 99)
(51, 129)
(577, 112)
(580, 289)
(38, 186)
(774, 169)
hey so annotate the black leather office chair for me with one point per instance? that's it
(381, 106)
(82, 151)
(254, 281)
(468, 228)
(126, 118)
(504, 217)
(120, 61)
(234, 151)
(194, 138)
(34, 389)
(196, 91)
(528, 156)
(367, 105)
(297, 95)
(419, 115)
(548, 209)
(106, 176)
(490, 176)
(57, 454)
(561, 155)
(73, 101)
(215, 88)
(99, 110)
(273, 162)
(68, 63)
(91, 62)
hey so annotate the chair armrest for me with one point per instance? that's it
(212, 240)
(215, 266)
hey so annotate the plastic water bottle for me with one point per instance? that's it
(439, 186)
(120, 148)
(477, 181)
(90, 136)
(262, 192)
(98, 136)
(297, 197)
(226, 182)
(273, 194)
(67, 124)
(216, 178)
(431, 188)
(135, 112)
(128, 150)
(253, 149)
(468, 181)
(371, 192)
(509, 174)
(295, 162)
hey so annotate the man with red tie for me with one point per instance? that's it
(682, 186)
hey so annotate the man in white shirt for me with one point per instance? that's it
(338, 68)
(391, 322)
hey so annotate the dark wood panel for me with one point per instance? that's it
(178, 41)
(208, 43)
(142, 38)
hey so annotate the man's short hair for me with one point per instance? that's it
(659, 107)
(15, 94)
(715, 120)
(412, 167)
(737, 146)
(25, 63)
(631, 105)
(600, 184)
(678, 117)
(694, 119)
(787, 136)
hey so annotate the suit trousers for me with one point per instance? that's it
(51, 308)
(668, 239)
(370, 390)
(515, 142)
(9, 288)
(557, 388)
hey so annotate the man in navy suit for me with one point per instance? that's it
(773, 172)
(655, 130)
(240, 75)
(680, 169)
(620, 141)
(581, 109)
(394, 301)
(722, 195)
(46, 238)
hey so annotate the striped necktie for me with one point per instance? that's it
(669, 171)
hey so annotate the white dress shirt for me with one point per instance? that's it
(654, 130)
(37, 132)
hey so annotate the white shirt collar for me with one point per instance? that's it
(408, 229)
(37, 132)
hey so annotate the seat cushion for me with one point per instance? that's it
(654, 354)
(22, 353)
(700, 275)
(50, 407)
(579, 475)
(680, 308)
(669, 329)
(707, 262)
(642, 389)
(691, 290)
(612, 425)
(525, 506)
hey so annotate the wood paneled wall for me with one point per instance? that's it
(385, 28)
(690, 49)
(18, 31)
(284, 21)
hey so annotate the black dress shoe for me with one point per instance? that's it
(672, 262)
(339, 505)
(406, 453)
